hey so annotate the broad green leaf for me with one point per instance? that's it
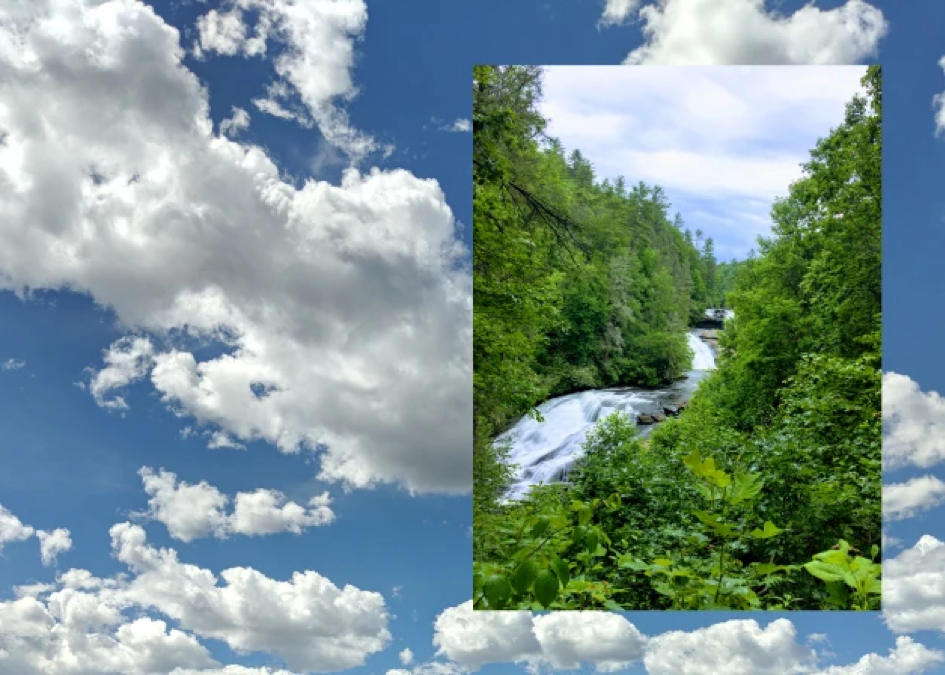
(523, 577)
(584, 515)
(745, 487)
(591, 541)
(824, 571)
(636, 565)
(497, 590)
(540, 526)
(766, 568)
(712, 521)
(705, 491)
(832, 557)
(546, 587)
(578, 534)
(769, 531)
(694, 462)
(560, 568)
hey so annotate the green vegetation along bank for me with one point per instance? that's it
(765, 493)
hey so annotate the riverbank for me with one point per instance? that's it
(545, 451)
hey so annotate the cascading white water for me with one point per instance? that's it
(545, 451)
(704, 359)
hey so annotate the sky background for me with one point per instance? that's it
(723, 142)
(177, 274)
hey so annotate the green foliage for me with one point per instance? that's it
(860, 575)
(710, 579)
(577, 283)
(550, 557)
(584, 284)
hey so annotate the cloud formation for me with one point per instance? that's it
(339, 306)
(608, 642)
(12, 528)
(905, 500)
(913, 424)
(716, 32)
(617, 12)
(51, 544)
(313, 70)
(194, 511)
(723, 142)
(79, 624)
(914, 587)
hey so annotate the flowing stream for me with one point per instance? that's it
(545, 451)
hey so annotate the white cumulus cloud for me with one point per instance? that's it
(617, 12)
(252, 612)
(904, 500)
(914, 587)
(194, 511)
(237, 122)
(11, 528)
(913, 424)
(339, 306)
(51, 544)
(709, 32)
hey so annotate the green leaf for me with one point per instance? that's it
(478, 578)
(745, 487)
(546, 587)
(766, 568)
(578, 534)
(540, 526)
(769, 531)
(824, 571)
(498, 590)
(523, 577)
(832, 557)
(591, 541)
(712, 522)
(873, 551)
(694, 462)
(584, 515)
(560, 568)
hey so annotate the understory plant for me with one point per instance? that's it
(705, 572)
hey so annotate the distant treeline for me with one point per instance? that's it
(766, 492)
(578, 282)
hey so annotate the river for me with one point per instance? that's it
(545, 451)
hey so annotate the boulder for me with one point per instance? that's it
(645, 419)
(671, 410)
(659, 417)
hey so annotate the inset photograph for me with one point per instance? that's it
(677, 338)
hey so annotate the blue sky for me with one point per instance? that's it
(193, 283)
(723, 142)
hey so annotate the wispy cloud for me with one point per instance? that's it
(459, 125)
(723, 142)
(13, 364)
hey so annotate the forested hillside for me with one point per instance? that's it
(579, 282)
(765, 494)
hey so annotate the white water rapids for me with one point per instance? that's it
(545, 451)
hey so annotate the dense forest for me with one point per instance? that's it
(765, 494)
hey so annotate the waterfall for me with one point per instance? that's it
(704, 359)
(545, 451)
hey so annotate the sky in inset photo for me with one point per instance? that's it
(723, 142)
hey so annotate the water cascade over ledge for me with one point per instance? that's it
(545, 451)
